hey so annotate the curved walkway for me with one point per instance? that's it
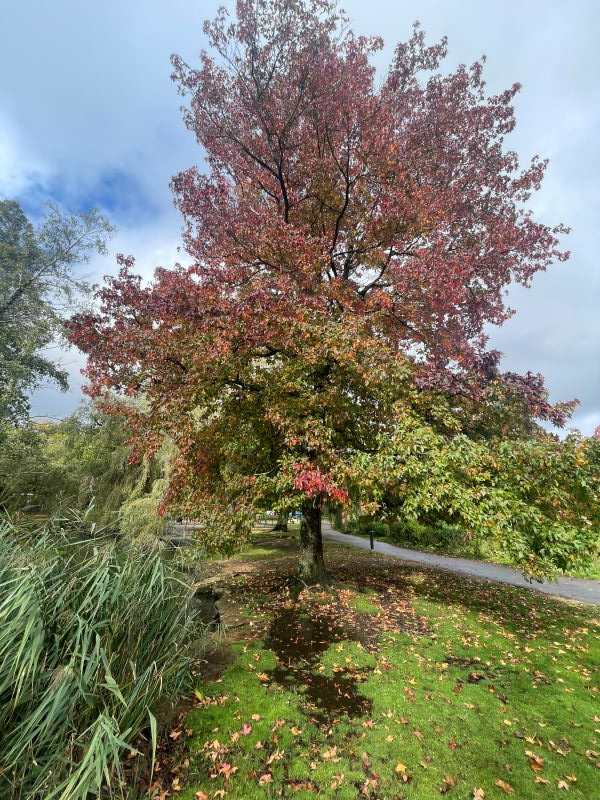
(586, 591)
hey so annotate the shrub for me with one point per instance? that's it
(93, 641)
(378, 529)
(363, 526)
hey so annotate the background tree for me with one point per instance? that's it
(38, 287)
(82, 464)
(349, 242)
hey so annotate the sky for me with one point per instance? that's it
(89, 116)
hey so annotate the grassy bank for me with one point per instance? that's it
(394, 683)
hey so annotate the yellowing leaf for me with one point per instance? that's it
(400, 767)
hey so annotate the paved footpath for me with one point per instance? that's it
(586, 591)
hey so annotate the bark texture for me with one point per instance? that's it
(311, 566)
(281, 524)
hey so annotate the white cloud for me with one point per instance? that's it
(19, 169)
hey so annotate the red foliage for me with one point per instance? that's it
(340, 227)
(313, 483)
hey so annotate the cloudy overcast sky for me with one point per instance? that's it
(89, 116)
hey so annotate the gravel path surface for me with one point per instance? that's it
(587, 591)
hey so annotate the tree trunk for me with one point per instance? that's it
(311, 566)
(281, 524)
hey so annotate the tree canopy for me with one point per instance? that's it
(38, 282)
(350, 240)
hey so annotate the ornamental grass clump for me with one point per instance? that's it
(94, 641)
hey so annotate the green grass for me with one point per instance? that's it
(492, 674)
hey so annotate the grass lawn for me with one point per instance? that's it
(396, 682)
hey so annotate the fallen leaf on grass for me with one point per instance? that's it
(535, 762)
(478, 794)
(201, 796)
(563, 785)
(276, 756)
(246, 729)
(449, 782)
(539, 779)
(338, 781)
(330, 754)
(400, 767)
(506, 787)
(263, 677)
(266, 778)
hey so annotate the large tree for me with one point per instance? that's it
(349, 242)
(39, 283)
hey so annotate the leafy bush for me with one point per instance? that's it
(363, 526)
(93, 641)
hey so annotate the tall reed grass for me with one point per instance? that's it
(93, 641)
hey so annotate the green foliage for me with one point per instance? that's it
(535, 498)
(366, 526)
(81, 461)
(37, 282)
(93, 642)
(140, 520)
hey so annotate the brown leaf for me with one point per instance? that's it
(506, 787)
(535, 762)
(265, 778)
(563, 785)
